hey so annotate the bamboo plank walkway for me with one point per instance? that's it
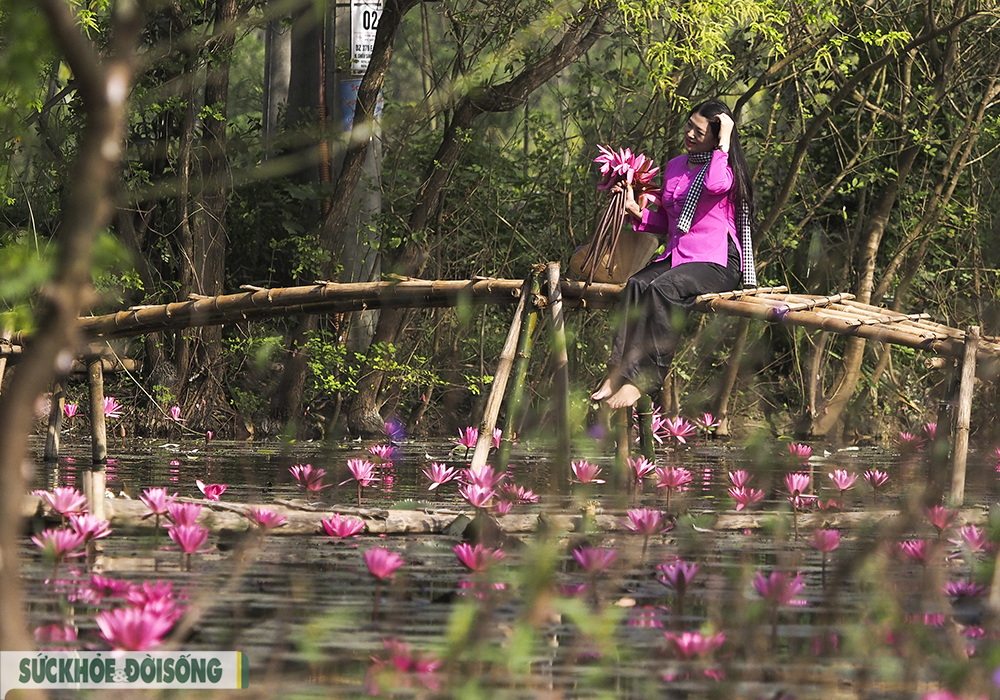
(837, 313)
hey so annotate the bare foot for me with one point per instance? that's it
(604, 392)
(625, 397)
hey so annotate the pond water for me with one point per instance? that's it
(871, 624)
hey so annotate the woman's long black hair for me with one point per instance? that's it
(743, 191)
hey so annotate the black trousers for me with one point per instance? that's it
(655, 305)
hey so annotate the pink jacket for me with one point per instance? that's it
(714, 219)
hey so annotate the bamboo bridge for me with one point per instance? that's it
(837, 313)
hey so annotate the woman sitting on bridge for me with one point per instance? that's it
(707, 211)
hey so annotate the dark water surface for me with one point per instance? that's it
(301, 607)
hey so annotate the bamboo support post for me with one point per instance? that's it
(95, 484)
(98, 426)
(485, 440)
(525, 342)
(561, 398)
(732, 373)
(55, 423)
(5, 335)
(644, 407)
(963, 414)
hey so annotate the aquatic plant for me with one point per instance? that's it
(676, 574)
(824, 541)
(585, 472)
(678, 429)
(64, 500)
(467, 438)
(212, 492)
(382, 564)
(90, 526)
(941, 518)
(707, 422)
(363, 472)
(640, 468)
(70, 409)
(157, 500)
(797, 483)
(594, 560)
(745, 497)
(875, 478)
(799, 452)
(385, 453)
(133, 629)
(265, 519)
(400, 669)
(779, 590)
(58, 545)
(112, 409)
(908, 442)
(189, 539)
(308, 477)
(340, 526)
(183, 513)
(672, 479)
(843, 481)
(914, 550)
(477, 558)
(439, 474)
(646, 522)
(175, 414)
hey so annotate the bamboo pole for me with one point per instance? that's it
(98, 427)
(732, 373)
(561, 398)
(964, 413)
(524, 345)
(644, 407)
(55, 423)
(5, 346)
(500, 377)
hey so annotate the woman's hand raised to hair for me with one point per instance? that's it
(726, 126)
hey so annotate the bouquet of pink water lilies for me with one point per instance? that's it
(619, 169)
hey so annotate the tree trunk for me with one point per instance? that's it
(363, 415)
(210, 239)
(103, 82)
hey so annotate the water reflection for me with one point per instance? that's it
(302, 607)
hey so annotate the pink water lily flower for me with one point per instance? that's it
(133, 629)
(646, 521)
(672, 479)
(266, 519)
(485, 477)
(55, 634)
(382, 563)
(70, 409)
(914, 550)
(930, 430)
(585, 472)
(477, 496)
(707, 422)
(497, 438)
(842, 479)
(90, 526)
(362, 471)
(340, 526)
(799, 451)
(677, 574)
(745, 497)
(212, 491)
(439, 474)
(477, 558)
(175, 414)
(941, 518)
(308, 477)
(64, 500)
(825, 540)
(594, 560)
(189, 538)
(157, 500)
(796, 483)
(678, 429)
(964, 589)
(691, 644)
(112, 409)
(908, 442)
(183, 513)
(875, 478)
(640, 468)
(972, 537)
(401, 668)
(58, 544)
(779, 588)
(383, 452)
(467, 437)
(740, 478)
